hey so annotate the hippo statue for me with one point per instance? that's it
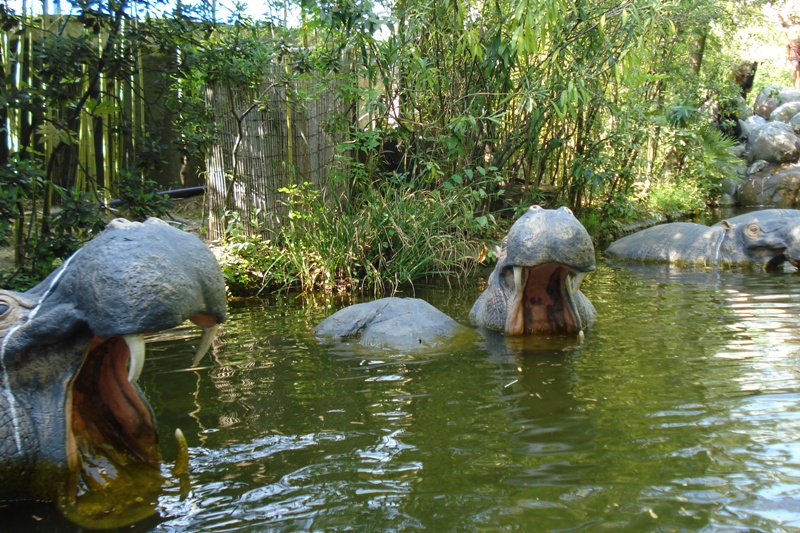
(76, 428)
(533, 289)
(399, 323)
(764, 242)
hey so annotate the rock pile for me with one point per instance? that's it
(771, 149)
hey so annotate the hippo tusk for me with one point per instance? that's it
(136, 348)
(205, 343)
(515, 316)
(572, 287)
(518, 286)
(136, 361)
(182, 460)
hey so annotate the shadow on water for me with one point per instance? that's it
(677, 412)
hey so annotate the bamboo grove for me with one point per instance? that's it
(479, 108)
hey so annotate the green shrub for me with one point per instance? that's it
(675, 199)
(140, 197)
(391, 236)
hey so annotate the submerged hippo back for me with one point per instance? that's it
(677, 242)
(765, 243)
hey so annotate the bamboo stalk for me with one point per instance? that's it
(48, 141)
(289, 133)
(84, 139)
(5, 49)
(139, 95)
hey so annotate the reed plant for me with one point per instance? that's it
(393, 236)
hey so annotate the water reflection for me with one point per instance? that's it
(747, 353)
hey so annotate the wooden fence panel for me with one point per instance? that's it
(258, 119)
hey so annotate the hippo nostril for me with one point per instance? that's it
(534, 208)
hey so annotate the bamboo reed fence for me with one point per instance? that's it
(267, 141)
(90, 150)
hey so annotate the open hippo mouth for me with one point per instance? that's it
(543, 299)
(113, 456)
(778, 260)
(535, 286)
(78, 428)
(781, 258)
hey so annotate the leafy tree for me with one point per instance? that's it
(578, 103)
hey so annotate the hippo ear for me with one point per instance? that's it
(725, 224)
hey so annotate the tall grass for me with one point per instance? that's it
(391, 236)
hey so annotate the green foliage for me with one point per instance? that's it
(74, 116)
(675, 199)
(77, 221)
(251, 264)
(140, 198)
(585, 102)
(19, 179)
(395, 236)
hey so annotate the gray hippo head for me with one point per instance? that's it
(764, 241)
(767, 238)
(535, 287)
(75, 426)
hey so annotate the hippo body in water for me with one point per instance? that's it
(764, 242)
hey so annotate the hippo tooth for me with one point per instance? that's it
(182, 460)
(205, 343)
(518, 279)
(136, 349)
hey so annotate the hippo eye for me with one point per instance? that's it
(4, 309)
(753, 229)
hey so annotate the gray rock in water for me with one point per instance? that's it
(400, 323)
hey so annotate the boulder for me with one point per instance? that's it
(785, 112)
(774, 142)
(772, 97)
(751, 123)
(794, 122)
(773, 186)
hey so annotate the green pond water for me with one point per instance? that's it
(679, 411)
